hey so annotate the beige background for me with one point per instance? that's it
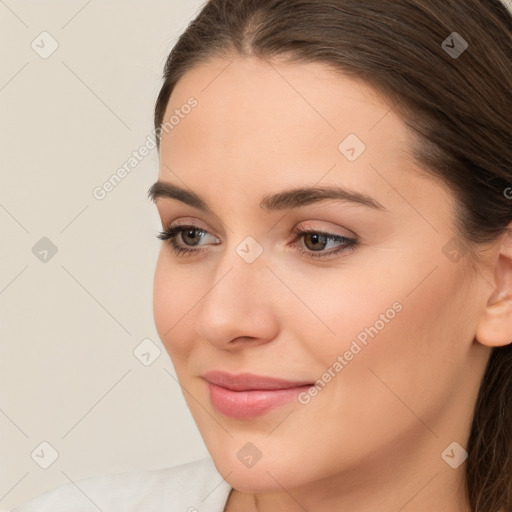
(69, 326)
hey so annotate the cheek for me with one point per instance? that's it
(414, 358)
(388, 322)
(334, 307)
(173, 302)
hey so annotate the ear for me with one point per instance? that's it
(495, 326)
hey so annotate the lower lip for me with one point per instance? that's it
(249, 404)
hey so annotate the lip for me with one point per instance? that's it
(247, 395)
(250, 381)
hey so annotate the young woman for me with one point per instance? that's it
(334, 288)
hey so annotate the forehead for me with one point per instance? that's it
(263, 125)
(297, 103)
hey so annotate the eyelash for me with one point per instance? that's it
(169, 236)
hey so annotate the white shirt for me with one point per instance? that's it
(193, 487)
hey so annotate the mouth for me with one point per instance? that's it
(246, 395)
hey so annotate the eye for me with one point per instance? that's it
(187, 232)
(314, 237)
(191, 236)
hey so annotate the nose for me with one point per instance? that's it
(240, 304)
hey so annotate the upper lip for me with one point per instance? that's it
(249, 381)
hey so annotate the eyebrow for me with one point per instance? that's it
(287, 199)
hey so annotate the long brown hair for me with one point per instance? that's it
(459, 106)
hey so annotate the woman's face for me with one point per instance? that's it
(384, 325)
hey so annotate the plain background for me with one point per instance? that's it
(68, 327)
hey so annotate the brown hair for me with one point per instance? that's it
(459, 108)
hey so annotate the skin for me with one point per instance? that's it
(374, 435)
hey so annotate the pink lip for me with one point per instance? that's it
(246, 395)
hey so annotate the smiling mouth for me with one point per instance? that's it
(246, 396)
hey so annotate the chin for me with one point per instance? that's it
(249, 482)
(264, 476)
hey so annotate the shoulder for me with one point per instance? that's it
(194, 486)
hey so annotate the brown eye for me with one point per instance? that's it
(192, 234)
(317, 240)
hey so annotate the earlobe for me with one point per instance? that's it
(495, 326)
